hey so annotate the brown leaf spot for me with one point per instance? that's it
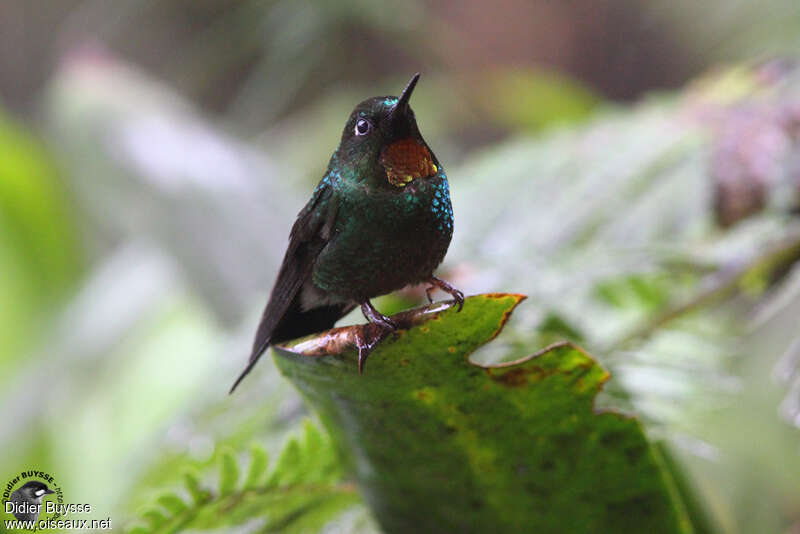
(513, 377)
(519, 376)
(422, 395)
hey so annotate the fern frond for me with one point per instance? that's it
(303, 491)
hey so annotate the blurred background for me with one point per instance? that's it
(633, 167)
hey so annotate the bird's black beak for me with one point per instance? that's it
(48, 491)
(397, 119)
(405, 96)
(401, 107)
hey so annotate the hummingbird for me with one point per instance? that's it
(379, 219)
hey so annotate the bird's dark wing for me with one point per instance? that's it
(310, 233)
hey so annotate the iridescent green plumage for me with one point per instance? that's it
(379, 219)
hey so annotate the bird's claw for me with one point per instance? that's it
(380, 326)
(458, 296)
(371, 334)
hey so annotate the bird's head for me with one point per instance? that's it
(381, 142)
(35, 490)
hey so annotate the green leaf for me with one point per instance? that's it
(154, 517)
(258, 466)
(288, 465)
(199, 494)
(315, 460)
(172, 503)
(439, 444)
(228, 472)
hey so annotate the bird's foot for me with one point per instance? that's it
(458, 296)
(368, 337)
(376, 317)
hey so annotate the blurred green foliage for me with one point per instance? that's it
(525, 99)
(40, 256)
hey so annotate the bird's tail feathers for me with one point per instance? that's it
(294, 323)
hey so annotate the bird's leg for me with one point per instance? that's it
(373, 333)
(457, 295)
(376, 317)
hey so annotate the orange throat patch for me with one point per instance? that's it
(405, 161)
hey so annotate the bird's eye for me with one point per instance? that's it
(363, 127)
